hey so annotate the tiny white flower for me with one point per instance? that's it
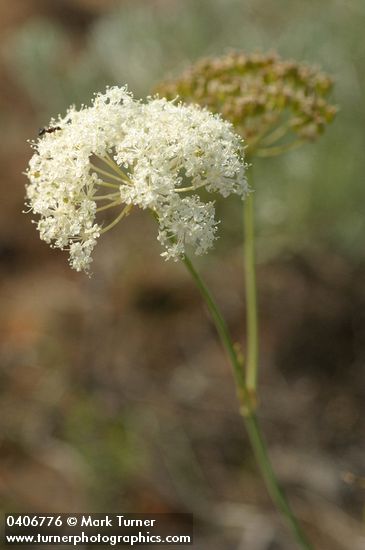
(119, 153)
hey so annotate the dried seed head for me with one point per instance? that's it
(274, 104)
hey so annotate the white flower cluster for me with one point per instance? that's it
(155, 155)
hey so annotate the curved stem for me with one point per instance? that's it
(123, 213)
(251, 295)
(248, 414)
(276, 134)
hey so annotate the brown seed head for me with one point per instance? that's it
(274, 104)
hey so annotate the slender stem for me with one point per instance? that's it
(105, 173)
(276, 492)
(109, 197)
(123, 213)
(219, 323)
(109, 185)
(251, 295)
(111, 162)
(110, 205)
(278, 150)
(254, 142)
(248, 414)
(276, 134)
(190, 188)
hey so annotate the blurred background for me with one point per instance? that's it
(115, 394)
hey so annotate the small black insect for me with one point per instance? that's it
(50, 130)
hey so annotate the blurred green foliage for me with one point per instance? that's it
(109, 443)
(313, 194)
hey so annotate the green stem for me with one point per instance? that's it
(279, 149)
(272, 484)
(251, 295)
(109, 205)
(248, 414)
(219, 323)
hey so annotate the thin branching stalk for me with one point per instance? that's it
(106, 174)
(109, 197)
(110, 205)
(275, 135)
(109, 185)
(279, 149)
(122, 214)
(108, 160)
